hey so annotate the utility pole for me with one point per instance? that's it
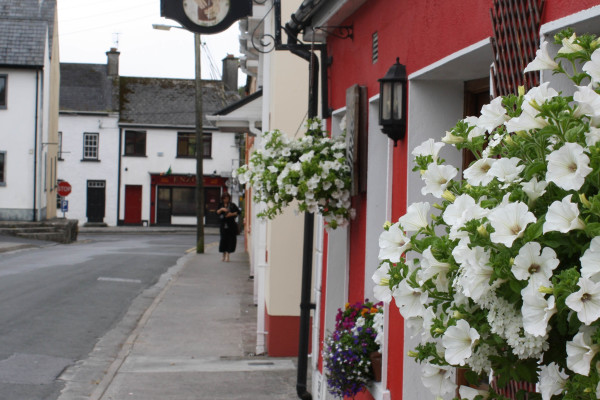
(199, 149)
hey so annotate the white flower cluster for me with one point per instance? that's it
(509, 258)
(311, 170)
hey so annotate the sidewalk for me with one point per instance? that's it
(196, 341)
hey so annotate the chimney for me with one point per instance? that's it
(112, 62)
(230, 72)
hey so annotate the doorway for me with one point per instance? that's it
(96, 201)
(212, 198)
(133, 204)
(165, 204)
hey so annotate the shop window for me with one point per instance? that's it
(60, 153)
(3, 82)
(135, 143)
(184, 201)
(90, 146)
(186, 145)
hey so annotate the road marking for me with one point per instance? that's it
(206, 247)
(108, 279)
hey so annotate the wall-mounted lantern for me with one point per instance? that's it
(392, 102)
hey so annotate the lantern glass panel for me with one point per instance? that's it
(398, 100)
(386, 113)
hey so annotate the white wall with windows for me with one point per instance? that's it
(88, 150)
(17, 143)
(152, 151)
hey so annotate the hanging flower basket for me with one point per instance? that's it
(311, 170)
(502, 274)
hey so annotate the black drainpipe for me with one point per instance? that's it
(309, 223)
(35, 141)
(119, 178)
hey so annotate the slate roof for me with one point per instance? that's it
(164, 101)
(23, 28)
(86, 87)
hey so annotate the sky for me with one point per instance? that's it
(89, 28)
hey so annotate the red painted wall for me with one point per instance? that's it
(283, 336)
(419, 33)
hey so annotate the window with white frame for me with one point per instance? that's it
(90, 146)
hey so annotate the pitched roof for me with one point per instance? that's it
(164, 101)
(86, 87)
(24, 25)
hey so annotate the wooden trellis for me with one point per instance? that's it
(516, 25)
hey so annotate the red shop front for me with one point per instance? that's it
(173, 199)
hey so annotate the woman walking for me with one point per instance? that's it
(228, 212)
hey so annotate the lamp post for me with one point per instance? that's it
(392, 102)
(199, 138)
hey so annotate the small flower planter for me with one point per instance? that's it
(375, 358)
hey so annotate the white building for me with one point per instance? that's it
(29, 78)
(129, 148)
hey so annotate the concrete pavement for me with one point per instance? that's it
(195, 341)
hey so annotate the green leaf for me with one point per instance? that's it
(533, 231)
(533, 169)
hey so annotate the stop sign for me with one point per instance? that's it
(64, 188)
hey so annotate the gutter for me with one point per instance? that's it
(299, 20)
(35, 145)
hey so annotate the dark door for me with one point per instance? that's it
(133, 204)
(212, 198)
(164, 209)
(96, 200)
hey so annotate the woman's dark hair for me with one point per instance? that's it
(225, 195)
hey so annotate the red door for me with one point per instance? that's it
(133, 204)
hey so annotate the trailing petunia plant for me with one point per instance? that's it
(502, 275)
(311, 170)
(346, 353)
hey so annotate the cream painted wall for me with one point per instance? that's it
(52, 148)
(286, 103)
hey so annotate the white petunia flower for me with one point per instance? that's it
(462, 210)
(592, 136)
(452, 139)
(527, 121)
(534, 189)
(540, 94)
(438, 379)
(509, 222)
(536, 311)
(569, 46)
(493, 115)
(580, 352)
(586, 301)
(588, 102)
(428, 148)
(459, 341)
(563, 216)
(542, 60)
(551, 380)
(410, 301)
(393, 243)
(381, 278)
(436, 179)
(470, 393)
(415, 217)
(431, 267)
(477, 174)
(475, 272)
(568, 166)
(590, 261)
(307, 156)
(476, 130)
(592, 67)
(507, 169)
(534, 264)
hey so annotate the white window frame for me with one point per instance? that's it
(90, 149)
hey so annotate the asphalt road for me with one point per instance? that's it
(56, 303)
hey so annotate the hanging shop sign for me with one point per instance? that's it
(206, 16)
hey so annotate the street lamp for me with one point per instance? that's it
(392, 102)
(199, 139)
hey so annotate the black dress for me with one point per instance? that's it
(229, 230)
